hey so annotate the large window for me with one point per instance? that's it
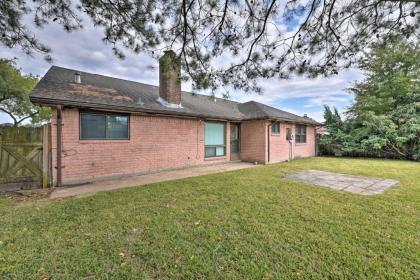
(103, 126)
(214, 139)
(300, 134)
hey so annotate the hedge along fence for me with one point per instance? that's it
(336, 150)
(25, 157)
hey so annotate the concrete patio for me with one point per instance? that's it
(131, 181)
(349, 183)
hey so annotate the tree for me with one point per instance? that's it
(385, 110)
(392, 74)
(328, 35)
(332, 119)
(337, 141)
(384, 119)
(14, 95)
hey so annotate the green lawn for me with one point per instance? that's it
(243, 224)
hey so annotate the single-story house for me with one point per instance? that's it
(104, 127)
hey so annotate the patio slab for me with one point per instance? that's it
(131, 181)
(349, 183)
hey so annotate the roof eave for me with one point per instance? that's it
(89, 105)
(309, 122)
(86, 105)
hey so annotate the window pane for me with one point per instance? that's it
(301, 134)
(234, 132)
(275, 128)
(117, 127)
(92, 126)
(220, 151)
(214, 134)
(210, 151)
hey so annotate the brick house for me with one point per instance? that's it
(105, 127)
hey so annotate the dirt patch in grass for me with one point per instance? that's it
(26, 195)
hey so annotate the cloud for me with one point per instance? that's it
(302, 95)
(85, 51)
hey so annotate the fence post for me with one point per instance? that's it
(45, 153)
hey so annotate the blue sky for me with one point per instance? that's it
(312, 106)
(84, 50)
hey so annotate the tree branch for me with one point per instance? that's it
(11, 115)
(257, 38)
(27, 117)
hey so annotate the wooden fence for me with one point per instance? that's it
(25, 157)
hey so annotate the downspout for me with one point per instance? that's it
(268, 143)
(316, 141)
(290, 150)
(291, 144)
(59, 133)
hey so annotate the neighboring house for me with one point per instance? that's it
(104, 127)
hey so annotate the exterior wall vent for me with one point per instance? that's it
(77, 78)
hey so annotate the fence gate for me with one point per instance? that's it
(24, 157)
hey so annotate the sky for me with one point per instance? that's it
(84, 50)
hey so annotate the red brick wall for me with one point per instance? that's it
(279, 146)
(156, 143)
(306, 149)
(253, 141)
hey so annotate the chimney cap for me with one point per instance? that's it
(305, 115)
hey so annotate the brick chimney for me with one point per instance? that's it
(170, 78)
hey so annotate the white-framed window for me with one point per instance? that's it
(300, 134)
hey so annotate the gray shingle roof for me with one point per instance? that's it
(102, 92)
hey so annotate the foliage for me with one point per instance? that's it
(246, 224)
(265, 38)
(384, 120)
(14, 95)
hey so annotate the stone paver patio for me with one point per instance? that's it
(350, 183)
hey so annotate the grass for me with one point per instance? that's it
(243, 224)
